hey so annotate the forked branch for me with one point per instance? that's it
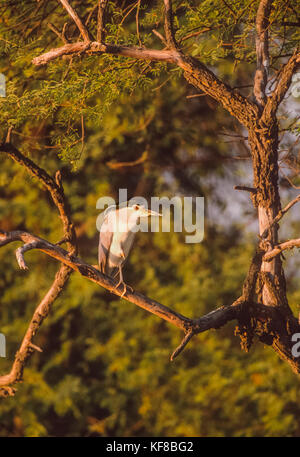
(286, 245)
(195, 71)
(283, 84)
(280, 215)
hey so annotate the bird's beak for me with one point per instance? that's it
(149, 212)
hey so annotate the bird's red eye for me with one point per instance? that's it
(136, 207)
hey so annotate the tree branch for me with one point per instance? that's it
(262, 51)
(27, 347)
(232, 100)
(84, 32)
(189, 334)
(34, 242)
(282, 86)
(159, 35)
(280, 215)
(195, 72)
(290, 244)
(137, 16)
(214, 319)
(57, 32)
(246, 189)
(169, 25)
(99, 48)
(102, 4)
(54, 186)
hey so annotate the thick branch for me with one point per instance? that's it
(195, 72)
(201, 77)
(262, 51)
(99, 48)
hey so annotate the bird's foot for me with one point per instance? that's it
(125, 286)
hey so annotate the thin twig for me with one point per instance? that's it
(137, 21)
(189, 334)
(289, 180)
(192, 35)
(134, 163)
(57, 32)
(280, 215)
(159, 35)
(196, 95)
(84, 32)
(246, 189)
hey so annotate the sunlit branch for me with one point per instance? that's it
(290, 244)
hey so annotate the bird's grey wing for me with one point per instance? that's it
(105, 240)
(128, 244)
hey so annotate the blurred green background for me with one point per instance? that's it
(105, 369)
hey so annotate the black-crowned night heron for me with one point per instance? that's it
(117, 233)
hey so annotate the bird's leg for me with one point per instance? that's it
(121, 281)
(115, 275)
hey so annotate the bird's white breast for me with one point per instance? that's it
(122, 237)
